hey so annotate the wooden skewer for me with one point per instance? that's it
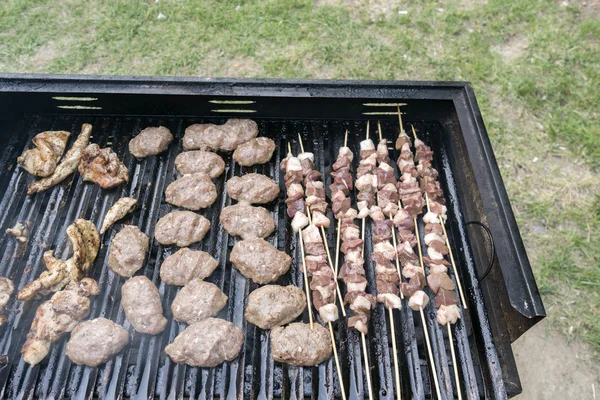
(456, 377)
(367, 368)
(419, 243)
(397, 258)
(307, 289)
(400, 120)
(413, 131)
(337, 246)
(396, 369)
(379, 128)
(289, 148)
(301, 145)
(346, 138)
(431, 360)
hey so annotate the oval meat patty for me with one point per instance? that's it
(224, 137)
(94, 342)
(151, 141)
(298, 344)
(255, 151)
(193, 191)
(198, 161)
(197, 301)
(181, 228)
(206, 343)
(247, 221)
(142, 305)
(274, 305)
(253, 188)
(185, 264)
(256, 259)
(128, 251)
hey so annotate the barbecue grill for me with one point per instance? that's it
(502, 295)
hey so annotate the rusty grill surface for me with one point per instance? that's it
(143, 370)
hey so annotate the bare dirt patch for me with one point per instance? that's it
(551, 368)
(513, 49)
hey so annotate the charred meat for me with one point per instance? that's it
(184, 265)
(198, 300)
(6, 289)
(298, 344)
(205, 162)
(181, 228)
(256, 259)
(247, 221)
(193, 191)
(142, 305)
(49, 148)
(254, 151)
(103, 167)
(57, 316)
(206, 343)
(128, 251)
(67, 165)
(226, 137)
(96, 341)
(122, 207)
(274, 305)
(151, 141)
(253, 189)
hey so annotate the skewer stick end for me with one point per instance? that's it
(379, 128)
(413, 131)
(346, 139)
(301, 144)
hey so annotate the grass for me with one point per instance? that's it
(535, 66)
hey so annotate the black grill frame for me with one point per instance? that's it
(503, 306)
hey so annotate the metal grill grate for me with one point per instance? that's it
(143, 369)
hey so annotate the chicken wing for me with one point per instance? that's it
(49, 148)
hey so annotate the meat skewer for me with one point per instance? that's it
(411, 198)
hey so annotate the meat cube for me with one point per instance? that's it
(256, 259)
(150, 142)
(247, 221)
(274, 305)
(298, 344)
(128, 251)
(206, 343)
(198, 161)
(185, 264)
(197, 300)
(181, 228)
(193, 191)
(142, 305)
(95, 342)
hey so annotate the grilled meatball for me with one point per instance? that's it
(274, 305)
(206, 343)
(255, 151)
(49, 148)
(142, 306)
(128, 251)
(181, 228)
(247, 221)
(297, 344)
(193, 191)
(224, 137)
(206, 162)
(185, 264)
(253, 189)
(256, 259)
(102, 166)
(197, 301)
(151, 141)
(94, 342)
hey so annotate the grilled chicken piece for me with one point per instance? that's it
(206, 162)
(181, 228)
(274, 305)
(85, 242)
(150, 142)
(57, 316)
(128, 251)
(254, 151)
(185, 264)
(67, 165)
(142, 305)
(298, 344)
(226, 137)
(193, 191)
(197, 301)
(49, 148)
(253, 189)
(6, 289)
(96, 341)
(103, 167)
(123, 206)
(247, 221)
(21, 234)
(256, 259)
(206, 343)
